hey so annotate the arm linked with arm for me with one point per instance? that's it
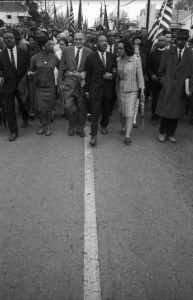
(139, 74)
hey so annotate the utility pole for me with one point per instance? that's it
(148, 12)
(118, 14)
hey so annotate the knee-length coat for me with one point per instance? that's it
(172, 74)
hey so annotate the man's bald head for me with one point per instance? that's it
(161, 41)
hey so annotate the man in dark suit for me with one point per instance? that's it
(13, 66)
(153, 62)
(101, 70)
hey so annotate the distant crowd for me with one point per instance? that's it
(88, 72)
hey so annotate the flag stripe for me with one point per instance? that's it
(162, 21)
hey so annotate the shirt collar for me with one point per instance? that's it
(162, 49)
(76, 49)
(14, 49)
(100, 53)
(182, 50)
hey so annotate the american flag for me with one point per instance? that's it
(71, 27)
(162, 21)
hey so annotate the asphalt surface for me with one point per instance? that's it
(144, 210)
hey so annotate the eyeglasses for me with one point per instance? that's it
(78, 40)
(120, 48)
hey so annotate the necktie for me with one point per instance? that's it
(77, 58)
(180, 55)
(12, 59)
(111, 49)
(103, 59)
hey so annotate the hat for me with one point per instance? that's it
(16, 33)
(44, 30)
(55, 29)
(182, 33)
(117, 34)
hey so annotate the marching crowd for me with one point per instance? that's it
(87, 72)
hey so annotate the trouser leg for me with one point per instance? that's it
(10, 110)
(155, 96)
(23, 110)
(172, 126)
(95, 114)
(71, 111)
(105, 105)
(81, 112)
(163, 125)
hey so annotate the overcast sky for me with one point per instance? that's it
(91, 9)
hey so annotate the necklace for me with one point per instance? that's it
(45, 59)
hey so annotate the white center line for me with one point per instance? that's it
(92, 289)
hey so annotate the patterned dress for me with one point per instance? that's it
(126, 100)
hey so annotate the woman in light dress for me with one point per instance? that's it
(130, 84)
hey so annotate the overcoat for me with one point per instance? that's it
(172, 74)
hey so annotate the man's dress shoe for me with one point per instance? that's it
(13, 137)
(93, 140)
(81, 133)
(24, 124)
(104, 130)
(71, 131)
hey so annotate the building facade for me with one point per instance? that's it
(13, 12)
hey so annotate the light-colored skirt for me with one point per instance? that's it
(126, 101)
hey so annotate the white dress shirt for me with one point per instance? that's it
(182, 51)
(104, 54)
(80, 54)
(14, 54)
(108, 48)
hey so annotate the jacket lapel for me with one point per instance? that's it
(99, 59)
(8, 60)
(82, 58)
(175, 55)
(184, 57)
(73, 57)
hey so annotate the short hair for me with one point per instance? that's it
(136, 37)
(129, 49)
(31, 36)
(80, 31)
(64, 40)
(97, 37)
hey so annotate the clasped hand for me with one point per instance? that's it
(107, 76)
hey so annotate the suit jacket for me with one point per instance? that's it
(12, 77)
(133, 75)
(172, 74)
(115, 50)
(96, 86)
(68, 64)
(153, 63)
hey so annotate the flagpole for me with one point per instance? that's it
(148, 12)
(118, 13)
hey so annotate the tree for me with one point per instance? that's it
(184, 5)
(33, 11)
(1, 23)
(123, 18)
(47, 10)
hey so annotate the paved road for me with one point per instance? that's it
(144, 212)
